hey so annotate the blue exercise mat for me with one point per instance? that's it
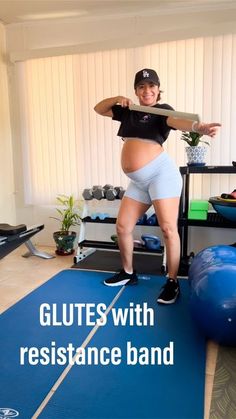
(160, 391)
(135, 391)
(23, 387)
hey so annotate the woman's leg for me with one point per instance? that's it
(167, 213)
(130, 211)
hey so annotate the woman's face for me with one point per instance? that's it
(147, 93)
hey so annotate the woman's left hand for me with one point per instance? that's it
(207, 129)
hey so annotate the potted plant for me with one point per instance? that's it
(195, 152)
(68, 217)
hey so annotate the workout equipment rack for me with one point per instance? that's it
(213, 219)
(87, 247)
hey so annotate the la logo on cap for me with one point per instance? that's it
(145, 73)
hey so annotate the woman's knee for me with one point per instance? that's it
(123, 227)
(169, 230)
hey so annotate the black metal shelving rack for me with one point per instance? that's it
(87, 247)
(213, 219)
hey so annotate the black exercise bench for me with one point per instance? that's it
(12, 237)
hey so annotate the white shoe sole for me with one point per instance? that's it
(159, 300)
(117, 284)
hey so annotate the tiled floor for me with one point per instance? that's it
(19, 276)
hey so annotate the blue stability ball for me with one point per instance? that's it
(212, 276)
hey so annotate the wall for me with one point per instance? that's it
(84, 34)
(42, 39)
(7, 192)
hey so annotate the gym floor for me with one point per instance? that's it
(20, 276)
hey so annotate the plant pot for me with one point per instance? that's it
(196, 155)
(64, 242)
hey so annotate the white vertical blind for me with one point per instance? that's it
(68, 147)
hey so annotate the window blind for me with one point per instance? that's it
(68, 147)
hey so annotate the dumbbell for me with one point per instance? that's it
(152, 221)
(115, 193)
(87, 194)
(138, 243)
(151, 242)
(114, 238)
(107, 186)
(120, 192)
(142, 220)
(99, 192)
(99, 215)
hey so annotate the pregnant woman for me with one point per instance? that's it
(154, 177)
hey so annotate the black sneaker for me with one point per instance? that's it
(121, 278)
(170, 292)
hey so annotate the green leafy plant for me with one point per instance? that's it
(69, 213)
(192, 138)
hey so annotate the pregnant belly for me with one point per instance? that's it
(136, 153)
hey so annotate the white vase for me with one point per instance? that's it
(196, 155)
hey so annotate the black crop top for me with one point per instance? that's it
(142, 125)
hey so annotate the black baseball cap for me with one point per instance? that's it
(146, 75)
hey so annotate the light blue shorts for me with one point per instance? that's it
(159, 179)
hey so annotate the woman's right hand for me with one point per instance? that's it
(104, 107)
(124, 101)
